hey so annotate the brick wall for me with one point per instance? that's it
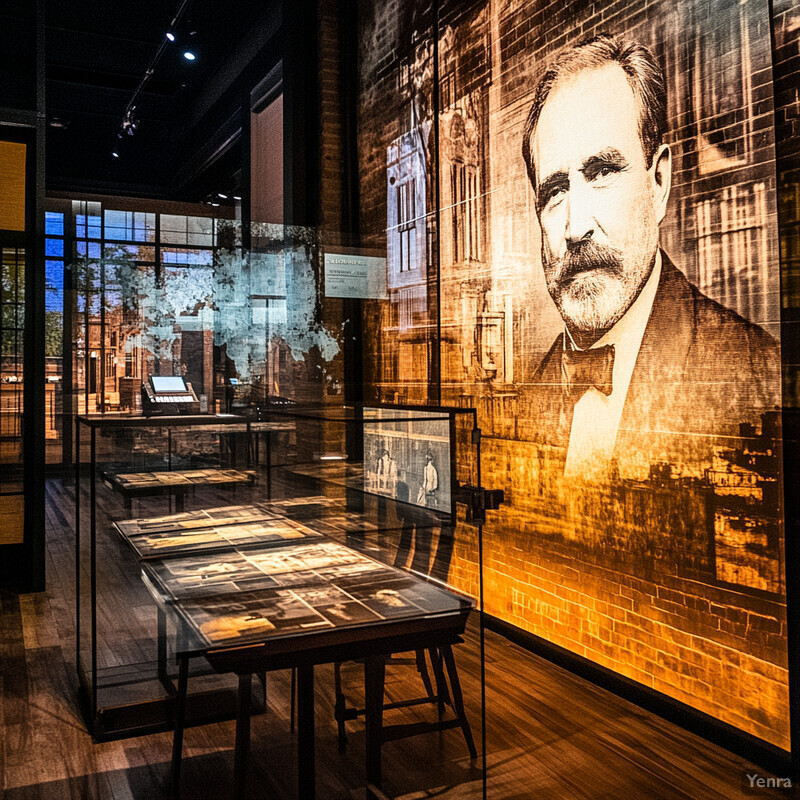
(644, 614)
(631, 579)
(718, 651)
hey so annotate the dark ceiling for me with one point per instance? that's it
(96, 54)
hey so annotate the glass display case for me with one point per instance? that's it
(313, 538)
(127, 465)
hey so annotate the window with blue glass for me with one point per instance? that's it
(54, 265)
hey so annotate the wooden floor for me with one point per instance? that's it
(549, 734)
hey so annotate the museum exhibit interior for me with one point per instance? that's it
(399, 400)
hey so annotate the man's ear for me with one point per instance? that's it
(661, 175)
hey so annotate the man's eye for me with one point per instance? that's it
(603, 171)
(555, 194)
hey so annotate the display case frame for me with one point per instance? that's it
(148, 715)
(113, 721)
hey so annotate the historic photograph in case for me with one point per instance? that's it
(162, 544)
(250, 616)
(205, 574)
(211, 529)
(239, 598)
(409, 456)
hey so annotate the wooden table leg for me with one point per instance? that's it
(422, 668)
(242, 736)
(374, 676)
(162, 647)
(339, 706)
(442, 695)
(262, 679)
(458, 699)
(180, 714)
(306, 772)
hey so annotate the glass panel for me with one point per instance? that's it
(88, 249)
(87, 226)
(187, 257)
(54, 247)
(53, 223)
(128, 252)
(11, 364)
(54, 330)
(178, 229)
(133, 226)
(210, 460)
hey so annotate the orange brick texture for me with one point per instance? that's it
(640, 601)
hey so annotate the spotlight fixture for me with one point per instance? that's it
(58, 122)
(222, 196)
(237, 197)
(129, 123)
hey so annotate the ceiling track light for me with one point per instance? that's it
(129, 122)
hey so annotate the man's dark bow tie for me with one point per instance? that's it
(583, 369)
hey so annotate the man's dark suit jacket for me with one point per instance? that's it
(701, 371)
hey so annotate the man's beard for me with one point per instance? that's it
(590, 286)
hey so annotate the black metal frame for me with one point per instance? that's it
(22, 566)
(24, 563)
(787, 163)
(449, 414)
(108, 723)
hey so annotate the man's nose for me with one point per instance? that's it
(580, 218)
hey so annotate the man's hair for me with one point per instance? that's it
(644, 76)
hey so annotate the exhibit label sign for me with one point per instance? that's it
(355, 276)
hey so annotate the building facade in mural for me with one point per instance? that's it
(410, 232)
